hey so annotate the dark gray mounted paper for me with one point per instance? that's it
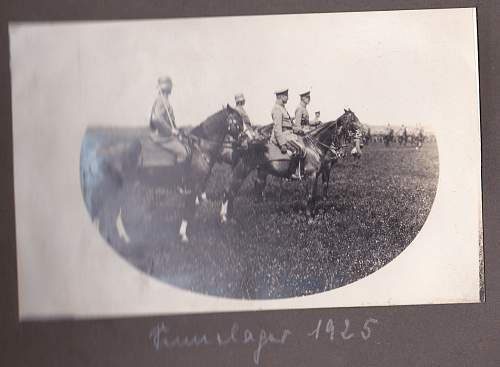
(401, 225)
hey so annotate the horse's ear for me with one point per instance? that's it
(345, 110)
(228, 107)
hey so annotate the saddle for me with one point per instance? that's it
(159, 151)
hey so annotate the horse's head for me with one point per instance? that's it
(349, 125)
(224, 122)
(235, 125)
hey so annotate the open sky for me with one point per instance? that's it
(399, 67)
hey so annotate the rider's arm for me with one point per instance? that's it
(278, 126)
(297, 124)
(298, 117)
(160, 120)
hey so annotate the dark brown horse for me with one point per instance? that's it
(232, 150)
(322, 150)
(113, 158)
(205, 142)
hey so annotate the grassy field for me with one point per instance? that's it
(374, 209)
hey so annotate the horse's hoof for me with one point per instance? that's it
(204, 197)
(197, 201)
(184, 238)
(223, 219)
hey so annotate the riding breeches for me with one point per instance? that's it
(174, 146)
(294, 143)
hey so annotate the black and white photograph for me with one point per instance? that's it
(246, 163)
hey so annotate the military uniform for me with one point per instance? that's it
(162, 124)
(316, 120)
(301, 115)
(283, 133)
(162, 116)
(249, 130)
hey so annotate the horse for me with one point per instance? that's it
(388, 137)
(320, 154)
(233, 149)
(402, 136)
(419, 139)
(205, 142)
(367, 136)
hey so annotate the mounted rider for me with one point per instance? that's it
(240, 107)
(402, 134)
(164, 131)
(301, 113)
(389, 130)
(284, 130)
(317, 119)
(402, 130)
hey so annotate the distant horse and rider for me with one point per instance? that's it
(402, 135)
(389, 135)
(419, 137)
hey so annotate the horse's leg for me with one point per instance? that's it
(240, 172)
(187, 215)
(282, 187)
(358, 149)
(260, 183)
(196, 179)
(325, 178)
(203, 186)
(311, 197)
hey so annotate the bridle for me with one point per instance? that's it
(333, 148)
(234, 125)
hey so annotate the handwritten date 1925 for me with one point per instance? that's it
(329, 329)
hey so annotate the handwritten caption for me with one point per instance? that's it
(162, 337)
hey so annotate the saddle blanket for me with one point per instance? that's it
(154, 155)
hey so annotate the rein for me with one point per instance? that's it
(330, 149)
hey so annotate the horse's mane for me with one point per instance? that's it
(204, 129)
(321, 129)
